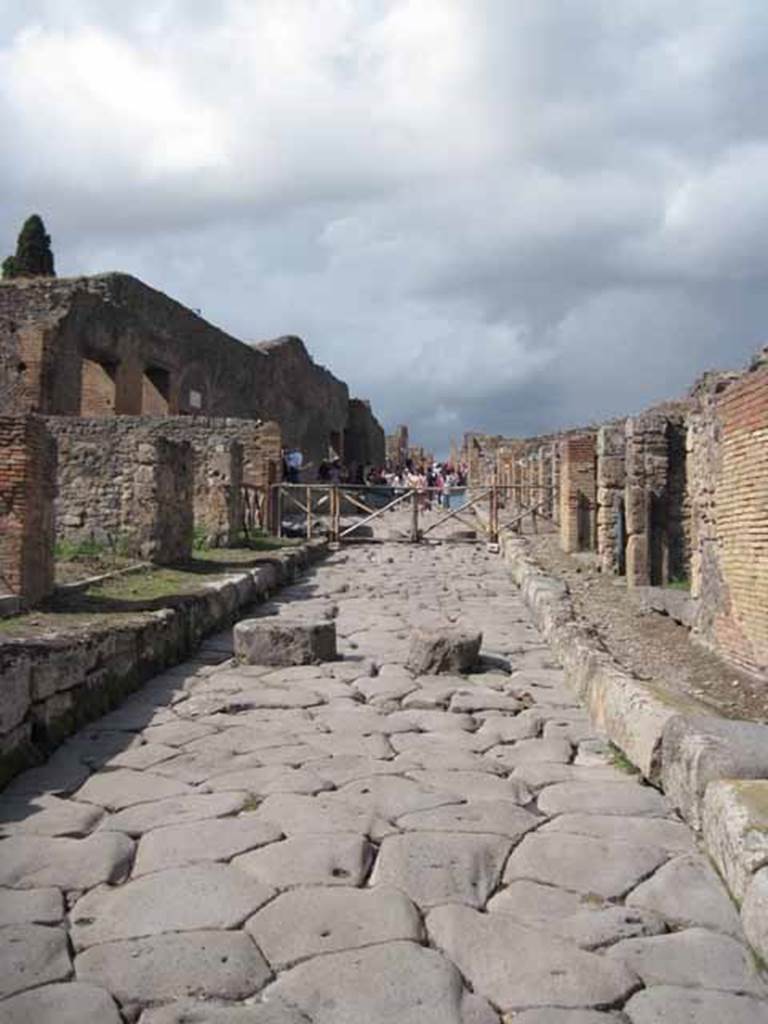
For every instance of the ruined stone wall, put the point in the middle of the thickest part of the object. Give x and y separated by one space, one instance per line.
578 492
728 459
110 345
27 480
364 442
611 480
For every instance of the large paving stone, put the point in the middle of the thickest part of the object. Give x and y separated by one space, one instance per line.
178 733
299 815
350 767
309 921
280 641
207 1013
146 755
697 750
503 729
669 835
394 983
62 1003
180 810
483 699
31 862
450 651
30 906
585 864
391 796
160 968
474 785
687 892
185 899
665 1004
436 867
338 859
533 751
553 1015
628 798
216 840
123 788
492 817
273 778
519 968
539 774
31 955
47 816
695 958
450 760
588 922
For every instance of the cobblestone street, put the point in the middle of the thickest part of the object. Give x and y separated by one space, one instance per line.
347 844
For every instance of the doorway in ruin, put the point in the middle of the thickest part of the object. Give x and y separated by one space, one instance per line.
97 388
155 391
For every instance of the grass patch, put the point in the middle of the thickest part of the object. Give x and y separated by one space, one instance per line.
679 583
619 760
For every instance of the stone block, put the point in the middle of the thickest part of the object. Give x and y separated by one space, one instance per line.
697 750
754 914
443 650
735 824
282 642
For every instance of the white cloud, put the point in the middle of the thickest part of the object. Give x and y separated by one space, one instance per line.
485 214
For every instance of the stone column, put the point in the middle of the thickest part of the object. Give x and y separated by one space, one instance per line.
611 480
645 499
577 493
27 486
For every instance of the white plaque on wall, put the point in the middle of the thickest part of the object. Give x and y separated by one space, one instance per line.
196 399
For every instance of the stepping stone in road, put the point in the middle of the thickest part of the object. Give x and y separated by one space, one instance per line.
280 641
669 835
47 816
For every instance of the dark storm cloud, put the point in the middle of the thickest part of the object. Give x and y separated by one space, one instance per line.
487 215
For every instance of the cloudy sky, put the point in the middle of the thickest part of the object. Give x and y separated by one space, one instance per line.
504 215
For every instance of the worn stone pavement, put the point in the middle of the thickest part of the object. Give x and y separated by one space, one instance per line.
345 844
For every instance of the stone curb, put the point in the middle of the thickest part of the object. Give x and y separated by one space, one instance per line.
714 770
54 684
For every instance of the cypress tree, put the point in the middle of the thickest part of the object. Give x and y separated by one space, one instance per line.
33 256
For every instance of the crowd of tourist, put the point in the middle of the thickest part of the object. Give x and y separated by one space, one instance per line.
436 481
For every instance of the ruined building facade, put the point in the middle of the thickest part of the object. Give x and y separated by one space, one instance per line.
674 499
149 425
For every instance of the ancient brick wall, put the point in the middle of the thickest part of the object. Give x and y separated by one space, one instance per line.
577 492
728 447
110 345
27 481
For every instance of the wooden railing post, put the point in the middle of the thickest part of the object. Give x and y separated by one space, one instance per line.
415 517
